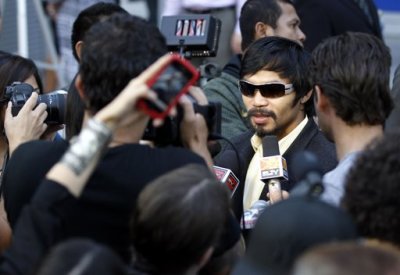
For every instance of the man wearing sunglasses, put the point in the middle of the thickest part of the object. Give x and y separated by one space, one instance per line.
351 75
258 18
276 91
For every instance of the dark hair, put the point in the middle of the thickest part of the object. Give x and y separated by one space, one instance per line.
253 11
74 112
115 51
353 71
283 56
372 190
287 229
178 217
16 68
81 256
349 258
90 16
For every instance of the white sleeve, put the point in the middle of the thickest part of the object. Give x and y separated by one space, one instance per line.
172 7
239 5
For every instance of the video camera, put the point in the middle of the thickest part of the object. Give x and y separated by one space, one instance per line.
18 93
190 36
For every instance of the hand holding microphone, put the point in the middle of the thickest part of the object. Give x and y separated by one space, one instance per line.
273 168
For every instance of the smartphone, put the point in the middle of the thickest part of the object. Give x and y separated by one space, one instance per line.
170 83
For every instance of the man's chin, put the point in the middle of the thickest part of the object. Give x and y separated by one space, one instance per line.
260 132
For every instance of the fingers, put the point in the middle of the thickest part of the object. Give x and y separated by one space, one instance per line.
275 195
198 94
30 103
8 114
187 106
285 194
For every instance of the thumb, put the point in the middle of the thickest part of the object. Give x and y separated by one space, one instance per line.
8 114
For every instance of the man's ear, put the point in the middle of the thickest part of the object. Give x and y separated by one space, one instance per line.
79 87
306 97
321 102
262 30
78 48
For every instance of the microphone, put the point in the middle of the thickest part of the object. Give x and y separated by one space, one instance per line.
273 167
251 215
226 175
309 171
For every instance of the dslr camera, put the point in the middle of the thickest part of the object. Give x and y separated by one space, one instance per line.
18 93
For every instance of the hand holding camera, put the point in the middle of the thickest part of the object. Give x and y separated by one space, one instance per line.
27 125
193 127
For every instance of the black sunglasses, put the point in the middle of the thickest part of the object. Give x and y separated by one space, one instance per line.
271 90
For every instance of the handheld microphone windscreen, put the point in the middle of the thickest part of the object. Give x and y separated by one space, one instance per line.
272 165
270 146
308 170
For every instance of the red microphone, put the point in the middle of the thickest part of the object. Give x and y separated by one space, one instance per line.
227 177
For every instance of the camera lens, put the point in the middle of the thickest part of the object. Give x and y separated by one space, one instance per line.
55 102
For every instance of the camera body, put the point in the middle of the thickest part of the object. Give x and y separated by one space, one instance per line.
169 133
18 93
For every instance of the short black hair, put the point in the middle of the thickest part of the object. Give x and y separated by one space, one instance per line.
83 255
253 11
353 71
283 56
117 50
372 190
90 16
178 217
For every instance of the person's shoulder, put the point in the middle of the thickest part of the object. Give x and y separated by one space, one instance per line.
320 140
318 144
243 137
239 143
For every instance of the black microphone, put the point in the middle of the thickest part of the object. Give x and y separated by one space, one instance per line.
309 172
227 175
273 167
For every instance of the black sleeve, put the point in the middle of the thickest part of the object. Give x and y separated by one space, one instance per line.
36 231
26 168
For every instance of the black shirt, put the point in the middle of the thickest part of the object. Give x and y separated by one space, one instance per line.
103 211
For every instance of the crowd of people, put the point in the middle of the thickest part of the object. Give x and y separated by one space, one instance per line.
106 200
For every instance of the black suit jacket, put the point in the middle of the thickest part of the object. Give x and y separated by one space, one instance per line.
393 121
310 139
321 19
